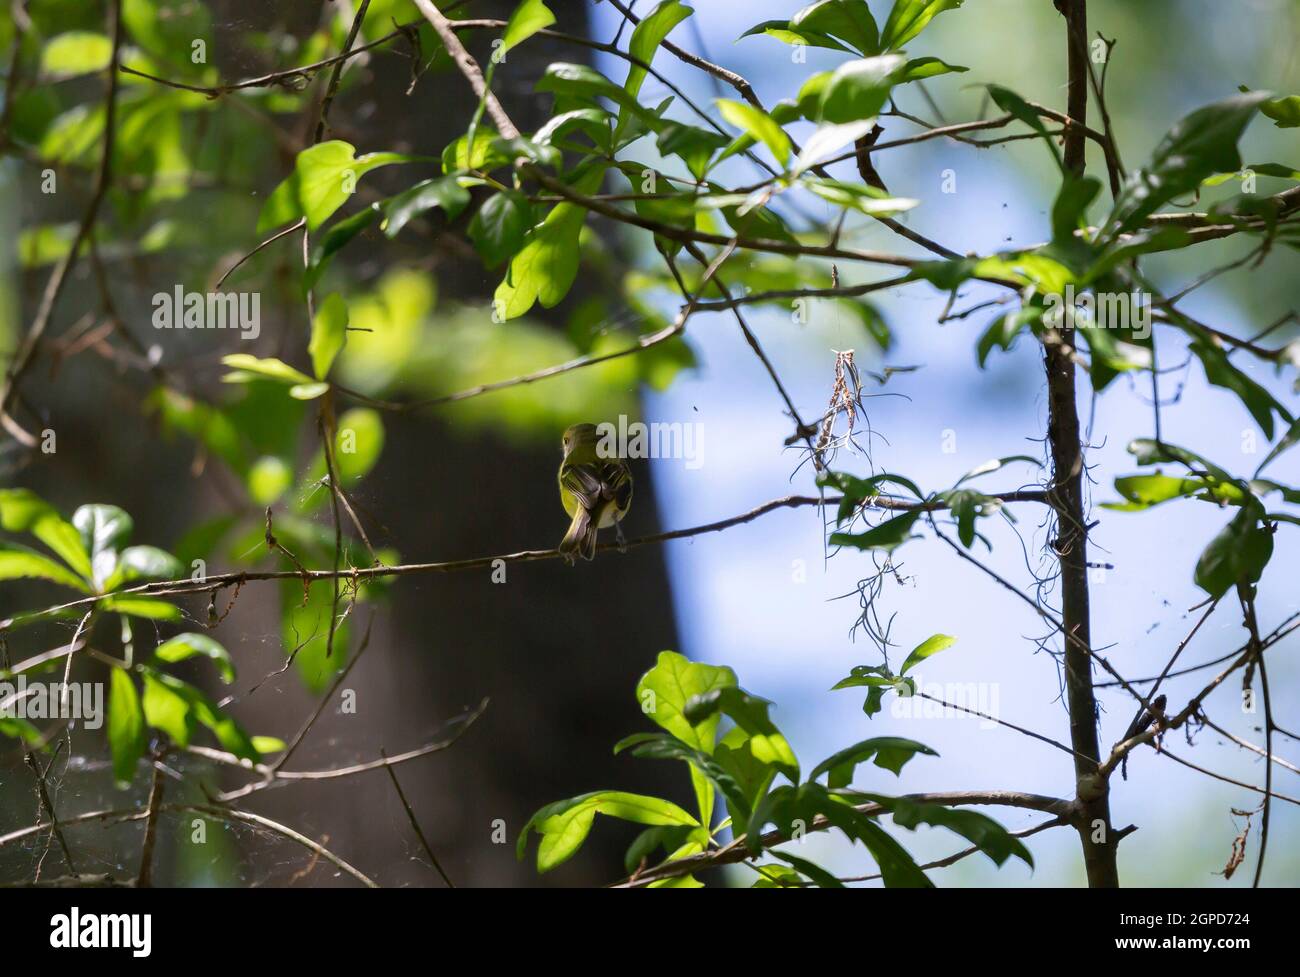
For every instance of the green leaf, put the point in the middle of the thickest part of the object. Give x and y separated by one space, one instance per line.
890 752
76 53
499 228
1011 103
248 367
187 645
126 728
979 829
564 825
324 176
887 536
103 529
664 691
1237 554
1145 491
268 479
647 37
443 192
812 870
1198 146
527 19
1287 440
1285 112
166 709
146 607
909 17
767 743
1220 372
22 511
759 125
848 20
930 646
329 333
858 196
333 241
857 90
18 562
144 563
827 140
919 68
358 444
545 269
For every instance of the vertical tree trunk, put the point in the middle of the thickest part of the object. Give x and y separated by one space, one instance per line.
1067 498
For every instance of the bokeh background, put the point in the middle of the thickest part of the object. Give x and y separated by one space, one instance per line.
558 651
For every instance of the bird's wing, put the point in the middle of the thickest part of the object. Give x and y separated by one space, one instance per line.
596 482
616 483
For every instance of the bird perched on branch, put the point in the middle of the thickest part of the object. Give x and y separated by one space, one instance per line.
596 492
1140 724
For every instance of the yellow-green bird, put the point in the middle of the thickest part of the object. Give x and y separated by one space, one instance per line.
596 492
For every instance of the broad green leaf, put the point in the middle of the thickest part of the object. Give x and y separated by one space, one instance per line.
887 536
18 562
22 511
1285 112
268 478
358 444
324 176
187 645
443 192
889 752
784 32
334 240
1198 146
930 646
104 530
767 743
848 20
1238 554
664 691
979 829
647 37
499 228
146 607
126 728
1220 372
919 68
144 563
564 825
858 196
857 90
166 709
829 140
248 367
329 332
527 19
759 125
909 17
1144 491
76 53
544 270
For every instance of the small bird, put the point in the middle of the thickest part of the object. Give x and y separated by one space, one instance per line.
1140 724
596 492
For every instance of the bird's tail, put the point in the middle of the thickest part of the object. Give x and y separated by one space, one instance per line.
580 540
